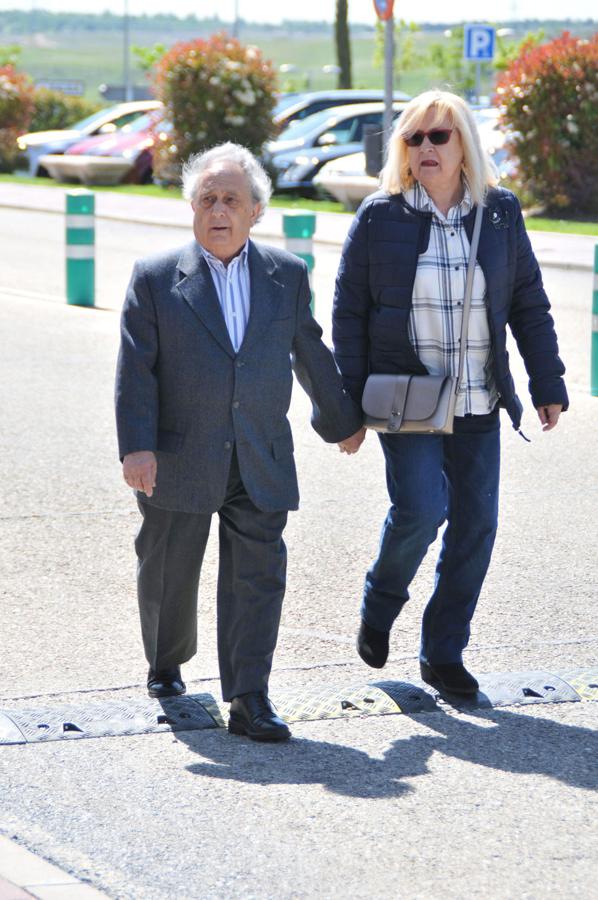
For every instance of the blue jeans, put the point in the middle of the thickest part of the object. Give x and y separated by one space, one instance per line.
430 479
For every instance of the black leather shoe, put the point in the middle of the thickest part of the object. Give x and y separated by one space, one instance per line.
372 645
165 682
451 677
253 714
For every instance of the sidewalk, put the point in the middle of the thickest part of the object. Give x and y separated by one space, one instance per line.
565 251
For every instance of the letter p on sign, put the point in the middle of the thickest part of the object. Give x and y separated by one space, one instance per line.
478 42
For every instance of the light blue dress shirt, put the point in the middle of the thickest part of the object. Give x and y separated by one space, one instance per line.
233 289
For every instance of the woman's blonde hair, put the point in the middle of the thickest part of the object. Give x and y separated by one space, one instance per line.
478 169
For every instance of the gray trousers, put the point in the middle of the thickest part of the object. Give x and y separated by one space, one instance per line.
170 548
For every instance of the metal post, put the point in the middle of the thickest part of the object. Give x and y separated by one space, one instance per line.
126 55
298 228
478 79
389 64
594 386
80 248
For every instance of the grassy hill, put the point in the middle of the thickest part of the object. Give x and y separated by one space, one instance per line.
89 48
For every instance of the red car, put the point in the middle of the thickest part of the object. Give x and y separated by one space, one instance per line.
124 156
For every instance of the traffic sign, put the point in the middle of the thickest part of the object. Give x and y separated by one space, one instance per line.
383 9
478 43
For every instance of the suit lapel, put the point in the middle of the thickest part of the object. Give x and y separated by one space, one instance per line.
197 288
266 291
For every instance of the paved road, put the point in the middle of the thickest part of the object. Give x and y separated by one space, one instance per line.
497 804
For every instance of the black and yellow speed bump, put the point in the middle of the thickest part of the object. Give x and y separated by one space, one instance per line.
195 712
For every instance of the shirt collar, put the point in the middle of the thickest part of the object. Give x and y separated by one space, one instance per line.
419 199
214 262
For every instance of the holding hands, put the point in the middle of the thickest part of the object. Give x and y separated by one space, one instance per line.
352 444
549 415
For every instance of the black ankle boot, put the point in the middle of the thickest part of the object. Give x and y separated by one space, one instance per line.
372 645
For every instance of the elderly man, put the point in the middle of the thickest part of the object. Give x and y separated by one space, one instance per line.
203 386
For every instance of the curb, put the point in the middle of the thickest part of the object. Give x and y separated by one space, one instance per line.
196 712
24 875
268 232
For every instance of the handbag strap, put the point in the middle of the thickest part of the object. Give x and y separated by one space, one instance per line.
473 252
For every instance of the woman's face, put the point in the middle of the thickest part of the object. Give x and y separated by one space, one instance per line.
437 166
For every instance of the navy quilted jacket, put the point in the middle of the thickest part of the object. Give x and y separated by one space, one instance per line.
374 288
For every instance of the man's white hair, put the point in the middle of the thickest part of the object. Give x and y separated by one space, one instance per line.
260 185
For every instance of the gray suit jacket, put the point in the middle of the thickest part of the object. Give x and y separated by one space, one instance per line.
183 392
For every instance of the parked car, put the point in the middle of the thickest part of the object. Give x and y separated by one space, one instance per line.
125 156
307 144
39 143
346 179
495 139
304 105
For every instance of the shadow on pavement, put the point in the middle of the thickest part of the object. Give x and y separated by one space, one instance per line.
502 740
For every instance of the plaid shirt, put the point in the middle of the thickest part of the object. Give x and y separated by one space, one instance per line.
438 292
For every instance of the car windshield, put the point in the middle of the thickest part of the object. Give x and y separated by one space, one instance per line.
143 123
285 100
298 128
94 117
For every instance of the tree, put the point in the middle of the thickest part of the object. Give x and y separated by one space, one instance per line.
549 95
213 91
16 109
343 44
457 74
407 56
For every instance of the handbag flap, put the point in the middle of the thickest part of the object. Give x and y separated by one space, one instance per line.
423 396
379 393
382 392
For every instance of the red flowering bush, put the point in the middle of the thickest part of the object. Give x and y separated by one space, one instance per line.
550 99
16 109
213 90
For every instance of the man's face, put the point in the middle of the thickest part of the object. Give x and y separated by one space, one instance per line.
224 210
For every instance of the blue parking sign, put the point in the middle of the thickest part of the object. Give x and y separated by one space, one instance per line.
478 42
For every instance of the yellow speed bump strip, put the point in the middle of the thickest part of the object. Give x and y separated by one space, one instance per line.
585 683
363 700
141 715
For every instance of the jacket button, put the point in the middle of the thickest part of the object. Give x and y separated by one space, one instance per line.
227 445
236 404
240 364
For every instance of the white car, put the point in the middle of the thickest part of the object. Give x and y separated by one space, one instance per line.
345 179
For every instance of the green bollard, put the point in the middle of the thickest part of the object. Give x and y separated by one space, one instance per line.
594 387
80 248
299 228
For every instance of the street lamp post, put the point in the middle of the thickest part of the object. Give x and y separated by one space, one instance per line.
126 61
236 20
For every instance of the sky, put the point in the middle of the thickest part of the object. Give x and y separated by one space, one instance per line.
318 10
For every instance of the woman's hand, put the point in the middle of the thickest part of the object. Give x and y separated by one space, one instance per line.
353 443
549 415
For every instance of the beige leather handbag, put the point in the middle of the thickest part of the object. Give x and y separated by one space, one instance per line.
421 404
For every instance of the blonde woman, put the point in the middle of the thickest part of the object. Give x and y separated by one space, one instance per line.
397 309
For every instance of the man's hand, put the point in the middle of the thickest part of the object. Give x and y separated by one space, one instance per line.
549 415
139 471
353 443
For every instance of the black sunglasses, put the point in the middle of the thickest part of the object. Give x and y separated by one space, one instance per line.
438 136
